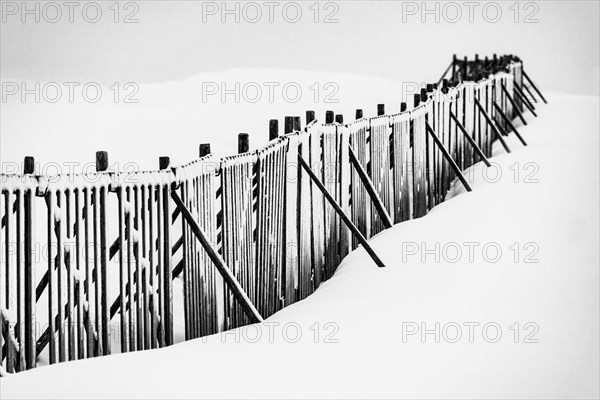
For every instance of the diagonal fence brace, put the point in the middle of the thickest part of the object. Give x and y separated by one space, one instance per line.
514 105
525 100
341 212
534 86
492 125
383 213
470 140
509 123
448 157
228 277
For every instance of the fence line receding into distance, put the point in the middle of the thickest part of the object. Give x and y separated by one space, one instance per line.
247 234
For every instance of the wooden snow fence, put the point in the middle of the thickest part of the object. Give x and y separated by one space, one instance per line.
89 261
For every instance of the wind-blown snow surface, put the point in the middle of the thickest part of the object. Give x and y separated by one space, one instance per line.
554 221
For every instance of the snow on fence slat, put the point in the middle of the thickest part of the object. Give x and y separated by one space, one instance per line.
360 210
402 173
380 166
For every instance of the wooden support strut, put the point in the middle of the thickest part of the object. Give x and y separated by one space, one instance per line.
512 102
383 213
525 100
341 213
457 170
470 140
228 277
509 123
492 125
534 86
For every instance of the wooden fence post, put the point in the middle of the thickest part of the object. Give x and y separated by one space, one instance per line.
453 66
164 162
29 166
204 149
288 126
243 143
101 161
328 117
273 129
296 124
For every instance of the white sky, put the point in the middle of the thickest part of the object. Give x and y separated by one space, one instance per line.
170 41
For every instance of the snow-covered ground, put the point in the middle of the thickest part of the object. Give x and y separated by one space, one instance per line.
360 332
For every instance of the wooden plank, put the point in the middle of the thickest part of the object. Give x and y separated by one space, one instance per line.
69 264
11 281
419 162
292 223
359 207
122 271
88 274
168 285
96 225
152 277
30 299
137 296
146 267
304 284
318 233
51 277
402 175
58 224
380 167
80 289
131 320
344 166
4 242
20 287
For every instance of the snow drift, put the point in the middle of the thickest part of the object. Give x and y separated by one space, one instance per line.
508 272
